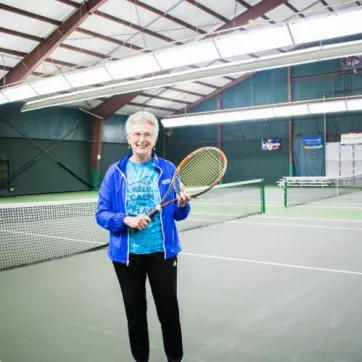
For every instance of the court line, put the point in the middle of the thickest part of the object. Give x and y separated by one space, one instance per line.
241 221
307 219
205 256
335 206
50 237
296 225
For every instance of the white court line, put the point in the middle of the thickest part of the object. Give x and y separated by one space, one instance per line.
334 206
296 225
272 264
49 237
307 219
241 221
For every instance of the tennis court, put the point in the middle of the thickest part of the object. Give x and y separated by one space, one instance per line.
279 286
265 94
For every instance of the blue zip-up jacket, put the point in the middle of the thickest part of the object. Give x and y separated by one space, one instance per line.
111 209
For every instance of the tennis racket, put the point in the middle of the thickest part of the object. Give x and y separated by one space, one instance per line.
196 174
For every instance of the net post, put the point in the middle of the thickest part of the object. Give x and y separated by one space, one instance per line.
262 191
337 186
285 193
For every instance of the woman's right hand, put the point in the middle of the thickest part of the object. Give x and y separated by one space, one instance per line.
137 222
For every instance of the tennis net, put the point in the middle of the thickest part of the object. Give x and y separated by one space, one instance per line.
36 232
304 190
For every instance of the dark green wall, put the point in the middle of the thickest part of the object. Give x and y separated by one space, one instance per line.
241 141
25 136
44 175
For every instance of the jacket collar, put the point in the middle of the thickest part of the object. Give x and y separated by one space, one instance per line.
123 162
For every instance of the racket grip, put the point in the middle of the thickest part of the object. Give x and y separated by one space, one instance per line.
152 213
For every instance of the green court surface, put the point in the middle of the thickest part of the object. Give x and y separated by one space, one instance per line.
276 287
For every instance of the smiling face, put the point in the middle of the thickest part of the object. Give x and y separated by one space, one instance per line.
142 139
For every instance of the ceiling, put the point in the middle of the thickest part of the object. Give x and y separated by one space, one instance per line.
90 33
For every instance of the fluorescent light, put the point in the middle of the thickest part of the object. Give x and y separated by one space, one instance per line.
87 77
293 110
248 114
258 114
231 117
254 41
237 67
133 66
354 104
333 25
327 107
3 99
185 55
17 93
50 85
191 120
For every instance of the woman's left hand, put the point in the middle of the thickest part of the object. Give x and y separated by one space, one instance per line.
183 198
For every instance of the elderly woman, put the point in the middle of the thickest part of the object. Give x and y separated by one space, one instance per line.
132 187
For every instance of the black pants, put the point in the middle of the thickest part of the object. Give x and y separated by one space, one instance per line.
162 275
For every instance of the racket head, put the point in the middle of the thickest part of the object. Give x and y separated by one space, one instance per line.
199 171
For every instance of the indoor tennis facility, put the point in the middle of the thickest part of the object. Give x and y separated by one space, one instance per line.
258 114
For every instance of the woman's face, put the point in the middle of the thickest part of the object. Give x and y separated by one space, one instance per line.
142 139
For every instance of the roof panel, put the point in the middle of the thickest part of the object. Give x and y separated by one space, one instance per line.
179 95
127 11
193 87
280 13
148 42
300 5
74 57
253 2
315 9
162 5
8 60
2 73
227 8
89 104
84 41
49 68
51 9
162 103
195 16
123 52
16 43
106 27
219 82
24 24
171 29
339 4
129 109
140 99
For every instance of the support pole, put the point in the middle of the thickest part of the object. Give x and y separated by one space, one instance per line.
290 123
96 150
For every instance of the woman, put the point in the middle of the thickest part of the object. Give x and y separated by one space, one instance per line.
130 188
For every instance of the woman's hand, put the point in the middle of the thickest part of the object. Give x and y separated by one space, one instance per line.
137 222
183 198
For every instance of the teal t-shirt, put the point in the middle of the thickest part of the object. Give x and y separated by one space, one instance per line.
142 196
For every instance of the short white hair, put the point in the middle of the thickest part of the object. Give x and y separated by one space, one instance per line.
142 117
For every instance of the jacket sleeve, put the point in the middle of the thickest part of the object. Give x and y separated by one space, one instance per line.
105 216
181 213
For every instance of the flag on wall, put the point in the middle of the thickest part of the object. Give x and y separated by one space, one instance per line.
270 144
312 142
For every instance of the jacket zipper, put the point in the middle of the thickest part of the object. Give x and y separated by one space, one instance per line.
125 207
163 234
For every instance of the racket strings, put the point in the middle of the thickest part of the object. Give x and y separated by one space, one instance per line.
201 171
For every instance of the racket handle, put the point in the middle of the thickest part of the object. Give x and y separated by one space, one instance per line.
154 212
